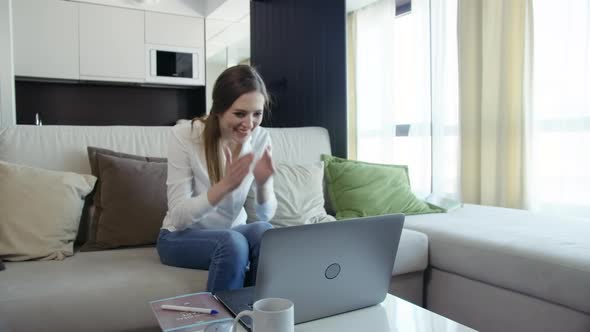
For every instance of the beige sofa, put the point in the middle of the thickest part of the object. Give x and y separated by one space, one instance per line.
490 268
497 269
110 290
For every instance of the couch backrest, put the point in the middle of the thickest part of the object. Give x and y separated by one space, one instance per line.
64 147
302 145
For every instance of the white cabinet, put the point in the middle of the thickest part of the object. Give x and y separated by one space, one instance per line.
174 30
111 43
45 38
82 41
176 34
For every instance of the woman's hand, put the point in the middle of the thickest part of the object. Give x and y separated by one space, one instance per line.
264 168
235 172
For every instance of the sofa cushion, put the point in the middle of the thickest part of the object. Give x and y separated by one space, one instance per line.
299 145
541 256
129 202
92 291
412 253
40 211
361 189
300 196
63 148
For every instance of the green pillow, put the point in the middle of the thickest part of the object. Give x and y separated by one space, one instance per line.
361 189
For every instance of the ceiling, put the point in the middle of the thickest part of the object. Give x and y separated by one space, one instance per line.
227 28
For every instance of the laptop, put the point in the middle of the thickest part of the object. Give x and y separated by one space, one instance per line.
325 269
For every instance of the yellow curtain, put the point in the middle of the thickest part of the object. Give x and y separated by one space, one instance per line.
493 77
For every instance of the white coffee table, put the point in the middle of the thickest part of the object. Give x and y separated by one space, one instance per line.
393 314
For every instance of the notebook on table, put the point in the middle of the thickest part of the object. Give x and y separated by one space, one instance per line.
325 269
186 321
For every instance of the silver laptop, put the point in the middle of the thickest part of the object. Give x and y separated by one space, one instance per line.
325 269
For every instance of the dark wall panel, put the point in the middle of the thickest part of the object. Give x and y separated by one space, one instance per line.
299 48
94 104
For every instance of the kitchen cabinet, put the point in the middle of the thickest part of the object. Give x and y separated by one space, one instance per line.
45 37
174 30
111 43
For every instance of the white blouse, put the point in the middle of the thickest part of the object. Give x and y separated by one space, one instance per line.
188 183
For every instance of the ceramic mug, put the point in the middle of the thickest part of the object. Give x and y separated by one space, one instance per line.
270 315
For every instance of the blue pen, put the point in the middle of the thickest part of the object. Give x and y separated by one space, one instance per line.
189 309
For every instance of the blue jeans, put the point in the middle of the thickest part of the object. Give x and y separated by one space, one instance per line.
230 255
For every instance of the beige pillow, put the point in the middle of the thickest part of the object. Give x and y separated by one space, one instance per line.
40 211
299 193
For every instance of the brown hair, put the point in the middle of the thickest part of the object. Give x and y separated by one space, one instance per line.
229 86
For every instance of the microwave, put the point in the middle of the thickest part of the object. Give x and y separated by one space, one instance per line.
174 65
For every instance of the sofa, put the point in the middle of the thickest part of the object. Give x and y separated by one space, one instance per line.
498 269
493 269
110 290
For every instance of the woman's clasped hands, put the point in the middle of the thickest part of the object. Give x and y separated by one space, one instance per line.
237 170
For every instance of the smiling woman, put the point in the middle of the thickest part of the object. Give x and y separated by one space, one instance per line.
205 226
236 90
236 124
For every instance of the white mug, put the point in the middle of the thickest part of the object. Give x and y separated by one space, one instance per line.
270 315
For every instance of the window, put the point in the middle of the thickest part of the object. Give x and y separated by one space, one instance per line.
406 91
559 178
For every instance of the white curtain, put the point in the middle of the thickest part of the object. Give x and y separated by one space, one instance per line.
351 46
559 118
399 118
445 98
374 80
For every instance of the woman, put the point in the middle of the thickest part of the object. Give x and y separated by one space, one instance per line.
212 164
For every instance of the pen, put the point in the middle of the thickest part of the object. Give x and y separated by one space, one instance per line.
189 309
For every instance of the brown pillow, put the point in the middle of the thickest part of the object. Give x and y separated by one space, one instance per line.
130 201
